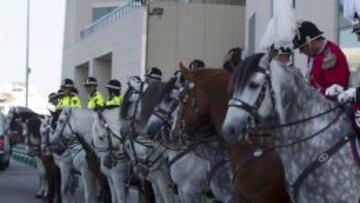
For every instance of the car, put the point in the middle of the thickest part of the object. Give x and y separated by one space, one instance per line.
5 147
5 152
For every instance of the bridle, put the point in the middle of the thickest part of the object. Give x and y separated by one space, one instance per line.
253 109
165 115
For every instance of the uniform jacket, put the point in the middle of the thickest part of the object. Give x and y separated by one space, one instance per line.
72 101
95 100
328 67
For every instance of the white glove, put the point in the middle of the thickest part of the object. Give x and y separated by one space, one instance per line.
347 95
334 90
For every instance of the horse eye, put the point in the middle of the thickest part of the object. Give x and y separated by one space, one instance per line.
253 85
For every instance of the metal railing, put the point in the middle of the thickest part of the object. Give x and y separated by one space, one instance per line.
111 17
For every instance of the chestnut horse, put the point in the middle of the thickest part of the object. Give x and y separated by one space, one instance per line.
205 98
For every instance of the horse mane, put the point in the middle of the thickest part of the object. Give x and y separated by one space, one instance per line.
242 74
33 125
55 117
125 105
152 96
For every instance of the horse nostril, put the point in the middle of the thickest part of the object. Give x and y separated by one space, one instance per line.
232 131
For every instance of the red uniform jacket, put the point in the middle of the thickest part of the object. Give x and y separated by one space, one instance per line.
329 67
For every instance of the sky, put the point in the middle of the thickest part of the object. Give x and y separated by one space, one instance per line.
46 42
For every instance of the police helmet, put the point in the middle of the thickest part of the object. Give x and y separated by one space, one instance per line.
67 83
154 73
90 81
114 84
306 32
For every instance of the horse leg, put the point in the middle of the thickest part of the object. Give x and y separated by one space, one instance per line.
221 185
112 188
65 179
90 185
42 175
191 193
162 181
119 177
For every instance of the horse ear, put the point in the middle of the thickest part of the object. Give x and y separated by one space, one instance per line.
185 72
52 113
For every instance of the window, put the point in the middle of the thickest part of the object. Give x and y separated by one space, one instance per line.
251 33
349 45
99 12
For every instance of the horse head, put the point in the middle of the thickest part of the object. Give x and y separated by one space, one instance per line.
165 110
64 126
252 99
46 131
138 104
202 102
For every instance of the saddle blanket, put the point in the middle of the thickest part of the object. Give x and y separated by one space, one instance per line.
355 148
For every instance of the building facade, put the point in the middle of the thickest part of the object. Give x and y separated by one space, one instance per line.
117 39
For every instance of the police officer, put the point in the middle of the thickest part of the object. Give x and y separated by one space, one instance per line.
351 94
153 74
232 59
68 97
95 99
327 64
196 64
283 55
114 92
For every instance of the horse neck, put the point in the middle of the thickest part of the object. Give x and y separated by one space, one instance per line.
296 100
82 120
113 120
217 98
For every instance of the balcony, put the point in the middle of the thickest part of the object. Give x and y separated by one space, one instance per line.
123 10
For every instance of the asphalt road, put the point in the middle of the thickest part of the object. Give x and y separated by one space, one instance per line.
18 184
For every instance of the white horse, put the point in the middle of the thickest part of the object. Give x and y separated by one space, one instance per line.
274 94
190 172
148 155
109 146
73 121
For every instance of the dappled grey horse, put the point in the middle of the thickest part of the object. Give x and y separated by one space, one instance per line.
310 133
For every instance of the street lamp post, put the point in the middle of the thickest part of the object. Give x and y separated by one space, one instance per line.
27 69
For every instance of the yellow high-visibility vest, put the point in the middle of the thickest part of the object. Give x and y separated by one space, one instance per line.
95 100
115 101
72 101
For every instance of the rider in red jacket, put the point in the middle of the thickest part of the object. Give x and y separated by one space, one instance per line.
327 64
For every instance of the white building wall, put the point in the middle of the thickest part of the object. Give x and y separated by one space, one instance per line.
188 31
121 39
324 13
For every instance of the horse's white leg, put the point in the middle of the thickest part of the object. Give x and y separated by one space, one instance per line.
119 177
112 189
191 193
46 187
89 181
65 177
162 181
42 176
